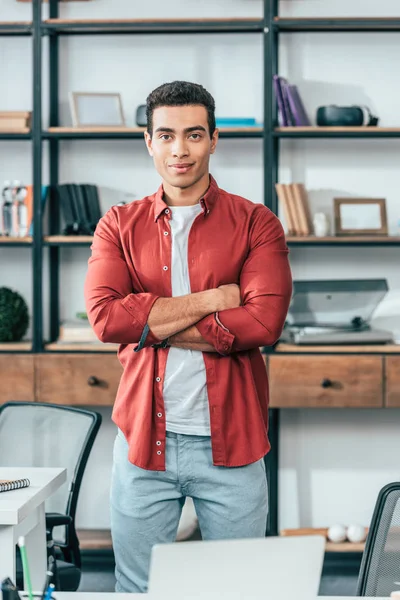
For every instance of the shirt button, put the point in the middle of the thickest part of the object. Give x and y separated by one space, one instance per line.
226 347
158 452
167 211
165 232
159 415
165 268
158 443
158 379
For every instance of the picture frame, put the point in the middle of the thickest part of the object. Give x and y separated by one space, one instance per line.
360 216
96 109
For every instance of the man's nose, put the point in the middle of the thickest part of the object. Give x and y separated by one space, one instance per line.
180 148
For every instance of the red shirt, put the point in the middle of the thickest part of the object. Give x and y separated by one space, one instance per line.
233 240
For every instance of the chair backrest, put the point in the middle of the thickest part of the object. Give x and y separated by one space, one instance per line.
48 435
380 565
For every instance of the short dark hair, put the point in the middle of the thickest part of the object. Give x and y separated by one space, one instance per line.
180 93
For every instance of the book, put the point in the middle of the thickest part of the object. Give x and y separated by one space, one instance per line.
282 118
76 331
295 207
7 485
236 122
299 114
281 191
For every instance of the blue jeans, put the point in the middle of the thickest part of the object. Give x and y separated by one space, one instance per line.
146 505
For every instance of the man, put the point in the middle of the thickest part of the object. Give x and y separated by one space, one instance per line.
191 281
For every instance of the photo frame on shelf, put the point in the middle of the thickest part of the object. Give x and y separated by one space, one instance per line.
360 216
93 109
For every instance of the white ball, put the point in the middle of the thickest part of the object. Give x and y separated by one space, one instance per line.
337 533
356 533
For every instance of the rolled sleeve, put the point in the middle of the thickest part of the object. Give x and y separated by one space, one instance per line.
115 312
216 334
266 290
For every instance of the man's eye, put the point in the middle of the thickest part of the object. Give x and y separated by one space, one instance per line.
165 136
195 136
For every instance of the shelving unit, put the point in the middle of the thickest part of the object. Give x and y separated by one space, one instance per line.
270 27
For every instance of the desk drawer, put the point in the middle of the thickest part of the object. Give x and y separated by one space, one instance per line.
326 381
17 378
392 397
74 379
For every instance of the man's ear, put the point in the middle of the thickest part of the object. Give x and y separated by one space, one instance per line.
214 141
148 141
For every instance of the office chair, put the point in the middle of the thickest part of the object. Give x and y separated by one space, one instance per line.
380 566
48 435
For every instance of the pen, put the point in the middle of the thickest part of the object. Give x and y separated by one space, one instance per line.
49 575
25 567
49 591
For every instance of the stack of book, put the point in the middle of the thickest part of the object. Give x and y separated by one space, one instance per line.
291 111
77 331
294 202
15 120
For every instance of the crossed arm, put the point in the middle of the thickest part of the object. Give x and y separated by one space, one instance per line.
215 320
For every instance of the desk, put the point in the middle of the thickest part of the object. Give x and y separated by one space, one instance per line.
102 596
22 513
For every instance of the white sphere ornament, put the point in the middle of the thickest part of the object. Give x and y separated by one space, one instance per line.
337 533
356 533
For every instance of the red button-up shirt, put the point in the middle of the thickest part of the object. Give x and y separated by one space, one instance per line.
233 240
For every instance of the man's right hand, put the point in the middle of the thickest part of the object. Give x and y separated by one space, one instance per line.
228 296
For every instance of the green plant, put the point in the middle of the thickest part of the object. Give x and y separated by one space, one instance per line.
14 316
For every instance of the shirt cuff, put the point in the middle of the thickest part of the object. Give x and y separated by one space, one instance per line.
216 334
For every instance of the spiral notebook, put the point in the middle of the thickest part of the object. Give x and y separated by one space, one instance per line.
6 485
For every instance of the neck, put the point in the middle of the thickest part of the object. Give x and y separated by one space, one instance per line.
175 196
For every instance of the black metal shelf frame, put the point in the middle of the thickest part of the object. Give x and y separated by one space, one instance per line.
153 27
332 25
15 29
136 135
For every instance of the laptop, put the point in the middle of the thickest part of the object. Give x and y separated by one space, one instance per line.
276 568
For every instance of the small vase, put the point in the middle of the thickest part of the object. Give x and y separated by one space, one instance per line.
321 224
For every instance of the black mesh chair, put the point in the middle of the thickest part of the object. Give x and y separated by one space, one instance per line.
53 436
380 565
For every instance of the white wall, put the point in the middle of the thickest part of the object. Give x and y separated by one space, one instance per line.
332 462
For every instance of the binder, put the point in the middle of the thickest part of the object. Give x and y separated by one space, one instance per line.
7 485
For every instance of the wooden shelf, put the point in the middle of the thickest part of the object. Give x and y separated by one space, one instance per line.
15 346
137 132
15 28
68 240
337 24
340 132
81 347
333 240
23 133
94 539
95 26
329 546
344 547
6 240
338 349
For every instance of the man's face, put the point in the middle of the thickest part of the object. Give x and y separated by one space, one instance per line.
181 144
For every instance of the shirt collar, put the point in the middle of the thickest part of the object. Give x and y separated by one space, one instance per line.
207 201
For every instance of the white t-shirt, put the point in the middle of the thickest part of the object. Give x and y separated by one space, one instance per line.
185 385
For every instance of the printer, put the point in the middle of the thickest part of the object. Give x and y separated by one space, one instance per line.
335 312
